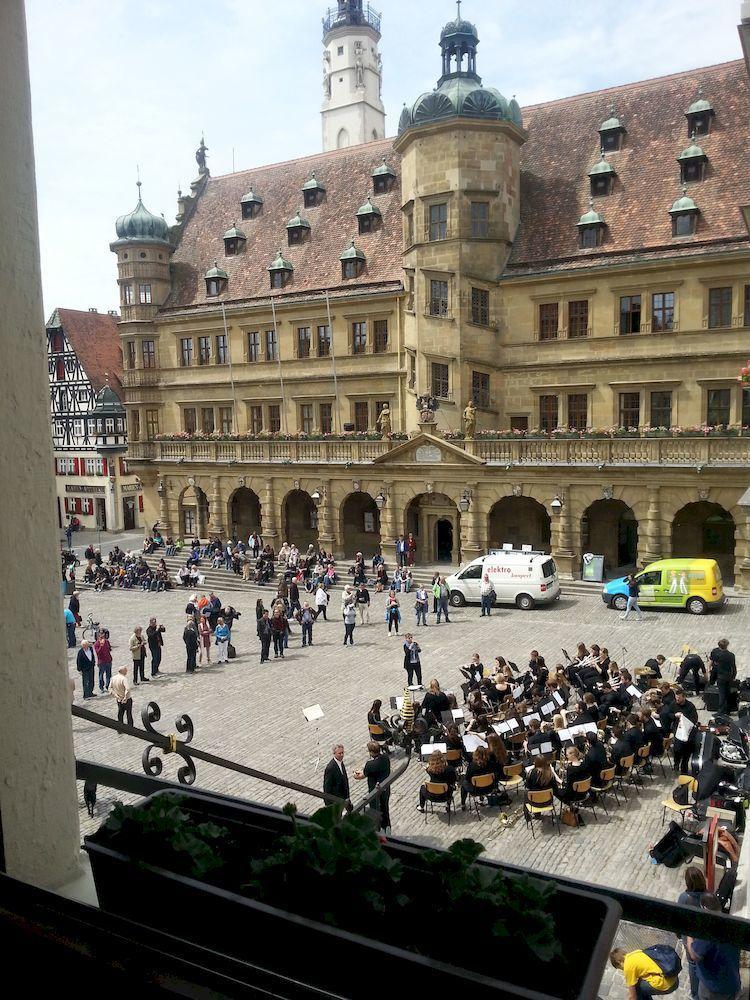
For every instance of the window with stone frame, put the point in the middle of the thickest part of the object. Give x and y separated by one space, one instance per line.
718 403
361 415
410 228
148 353
256 419
480 306
380 336
272 346
578 318
719 307
253 345
480 390
630 315
629 414
130 354
152 424
480 220
578 411
135 425
746 408
359 337
274 418
438 297
144 294
548 320
662 312
549 408
226 419
324 341
127 295
222 350
519 423
204 350
661 408
304 339
412 380
189 422
306 418
410 293
438 215
325 418
207 420
439 381
186 352
746 316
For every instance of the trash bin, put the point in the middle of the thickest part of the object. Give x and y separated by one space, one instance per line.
592 568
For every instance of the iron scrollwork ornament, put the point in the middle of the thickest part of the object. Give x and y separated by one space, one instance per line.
167 743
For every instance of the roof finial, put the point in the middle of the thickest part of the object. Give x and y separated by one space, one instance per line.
138 181
591 204
602 152
458 5
106 378
684 189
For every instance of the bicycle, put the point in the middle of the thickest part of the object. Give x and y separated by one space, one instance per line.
92 628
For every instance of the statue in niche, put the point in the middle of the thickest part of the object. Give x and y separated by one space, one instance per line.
360 69
384 421
470 419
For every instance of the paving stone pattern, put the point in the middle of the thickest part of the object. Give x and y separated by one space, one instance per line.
252 713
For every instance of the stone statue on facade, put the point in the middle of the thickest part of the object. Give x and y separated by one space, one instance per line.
384 421
470 419
360 74
426 404
326 74
380 75
200 157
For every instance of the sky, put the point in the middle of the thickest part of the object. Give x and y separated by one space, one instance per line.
121 85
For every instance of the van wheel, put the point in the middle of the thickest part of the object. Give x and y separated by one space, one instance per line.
524 602
620 602
696 606
457 599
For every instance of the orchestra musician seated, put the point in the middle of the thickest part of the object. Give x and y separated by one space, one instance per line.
440 772
596 758
454 741
374 719
620 748
633 734
536 737
498 754
652 733
540 777
434 703
480 764
574 769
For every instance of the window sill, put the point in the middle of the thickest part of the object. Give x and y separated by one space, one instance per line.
447 318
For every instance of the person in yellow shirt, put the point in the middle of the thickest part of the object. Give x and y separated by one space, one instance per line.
643 977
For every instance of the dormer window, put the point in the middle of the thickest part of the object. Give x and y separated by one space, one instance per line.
699 115
280 271
591 228
684 213
297 230
611 132
692 163
251 205
234 241
216 280
601 176
352 262
383 178
313 191
369 217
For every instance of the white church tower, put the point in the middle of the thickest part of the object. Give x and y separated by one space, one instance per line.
352 76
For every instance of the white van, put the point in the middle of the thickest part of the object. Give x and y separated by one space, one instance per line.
523 578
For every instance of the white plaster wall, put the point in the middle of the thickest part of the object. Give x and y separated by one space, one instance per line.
357 109
38 799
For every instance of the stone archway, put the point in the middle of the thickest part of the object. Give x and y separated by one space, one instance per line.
360 526
434 521
244 513
609 528
705 530
194 513
299 517
519 521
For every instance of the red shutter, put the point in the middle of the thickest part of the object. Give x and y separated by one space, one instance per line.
67 509
76 467
122 466
140 503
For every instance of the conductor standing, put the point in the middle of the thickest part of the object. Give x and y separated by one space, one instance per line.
335 778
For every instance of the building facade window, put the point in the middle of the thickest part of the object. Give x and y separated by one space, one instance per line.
189 421
277 279
325 418
204 350
438 222
410 229
746 311
630 314
274 418
188 522
480 389
186 352
222 350
304 337
324 341
226 419
578 411
272 346
746 407
207 420
129 355
359 338
439 380
135 425
256 419
578 318
548 320
361 415
144 294
519 423
480 306
350 268
148 353
410 305
94 466
253 346
380 336
719 308
662 311
718 402
480 220
629 414
127 295
548 412
152 424
661 409
438 298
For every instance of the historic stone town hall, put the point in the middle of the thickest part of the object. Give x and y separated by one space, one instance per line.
506 324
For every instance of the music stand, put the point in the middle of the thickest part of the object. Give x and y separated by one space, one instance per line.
314 714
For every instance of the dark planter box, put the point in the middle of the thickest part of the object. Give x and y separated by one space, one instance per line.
333 959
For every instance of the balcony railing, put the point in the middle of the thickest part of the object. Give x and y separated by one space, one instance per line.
135 377
333 18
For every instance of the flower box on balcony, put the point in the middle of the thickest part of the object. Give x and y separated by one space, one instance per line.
340 952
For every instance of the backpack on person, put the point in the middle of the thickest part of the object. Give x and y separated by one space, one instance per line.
666 958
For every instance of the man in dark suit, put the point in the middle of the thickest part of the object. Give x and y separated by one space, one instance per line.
190 638
335 778
85 662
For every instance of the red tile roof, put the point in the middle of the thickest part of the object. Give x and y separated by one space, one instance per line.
345 174
96 341
564 144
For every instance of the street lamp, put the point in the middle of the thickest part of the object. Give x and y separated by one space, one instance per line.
557 505
315 497
465 502
380 500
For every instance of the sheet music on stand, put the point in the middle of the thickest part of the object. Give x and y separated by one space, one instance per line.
548 708
517 692
633 690
558 698
397 703
533 715
313 714
472 741
542 748
430 748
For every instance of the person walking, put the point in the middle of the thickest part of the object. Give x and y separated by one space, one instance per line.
85 667
294 602
435 591
421 605
265 634
486 595
411 549
138 653
362 602
306 617
442 601
723 672
350 620
154 634
412 662
191 639
279 631
103 651
69 532
120 689
392 612
75 606
70 628
321 602
204 639
632 605
221 635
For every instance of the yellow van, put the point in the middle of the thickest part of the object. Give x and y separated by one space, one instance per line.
694 584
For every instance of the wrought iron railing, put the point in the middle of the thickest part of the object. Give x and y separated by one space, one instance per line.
367 16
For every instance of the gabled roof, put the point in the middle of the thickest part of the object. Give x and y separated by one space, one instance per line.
564 141
427 448
95 339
